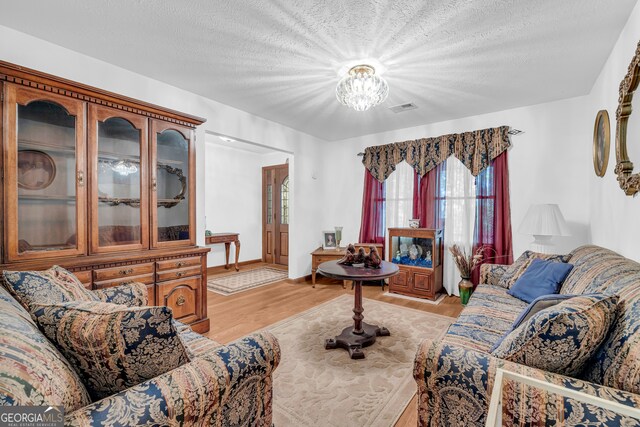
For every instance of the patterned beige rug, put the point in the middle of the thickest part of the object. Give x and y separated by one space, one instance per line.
318 387
245 280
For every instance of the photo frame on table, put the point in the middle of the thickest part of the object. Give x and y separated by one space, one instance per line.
601 142
329 240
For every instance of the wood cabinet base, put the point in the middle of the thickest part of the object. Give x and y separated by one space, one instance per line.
176 278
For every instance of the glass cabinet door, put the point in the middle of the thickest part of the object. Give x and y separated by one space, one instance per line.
119 190
45 175
172 169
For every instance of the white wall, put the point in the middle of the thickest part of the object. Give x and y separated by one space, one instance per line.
238 207
614 216
31 52
549 163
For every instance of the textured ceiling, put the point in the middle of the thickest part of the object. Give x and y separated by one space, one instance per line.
280 59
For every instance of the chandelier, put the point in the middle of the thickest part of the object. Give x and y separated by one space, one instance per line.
362 89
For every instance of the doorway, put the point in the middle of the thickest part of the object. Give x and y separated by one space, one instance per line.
276 199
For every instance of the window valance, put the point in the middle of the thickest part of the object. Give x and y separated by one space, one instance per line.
474 149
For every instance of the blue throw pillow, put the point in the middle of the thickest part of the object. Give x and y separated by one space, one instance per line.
538 304
541 278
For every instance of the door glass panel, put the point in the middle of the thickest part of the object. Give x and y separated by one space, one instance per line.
46 177
269 203
119 144
172 186
284 201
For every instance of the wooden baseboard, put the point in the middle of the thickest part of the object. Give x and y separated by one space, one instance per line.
300 279
220 268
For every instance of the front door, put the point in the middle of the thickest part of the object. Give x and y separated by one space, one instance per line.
276 199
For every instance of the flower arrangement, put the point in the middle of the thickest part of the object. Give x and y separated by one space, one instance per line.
466 263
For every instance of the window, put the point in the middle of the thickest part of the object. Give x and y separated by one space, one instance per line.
284 201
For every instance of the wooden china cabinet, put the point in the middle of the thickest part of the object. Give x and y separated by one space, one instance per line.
103 185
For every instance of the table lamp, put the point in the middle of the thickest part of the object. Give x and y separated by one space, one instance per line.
544 222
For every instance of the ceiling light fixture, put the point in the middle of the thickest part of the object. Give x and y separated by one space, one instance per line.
362 88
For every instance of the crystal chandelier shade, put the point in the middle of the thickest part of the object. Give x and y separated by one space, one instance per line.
362 89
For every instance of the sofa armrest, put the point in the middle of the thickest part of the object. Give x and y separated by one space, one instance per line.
132 294
228 386
455 385
490 274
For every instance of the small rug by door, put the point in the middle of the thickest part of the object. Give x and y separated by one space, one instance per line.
245 280
318 387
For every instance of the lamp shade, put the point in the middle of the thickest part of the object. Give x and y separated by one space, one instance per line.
544 220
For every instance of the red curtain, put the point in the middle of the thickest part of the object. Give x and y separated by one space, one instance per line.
493 215
372 227
429 197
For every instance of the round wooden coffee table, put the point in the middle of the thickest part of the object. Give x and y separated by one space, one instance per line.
355 338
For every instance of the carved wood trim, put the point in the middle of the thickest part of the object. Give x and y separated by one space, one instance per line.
36 79
629 182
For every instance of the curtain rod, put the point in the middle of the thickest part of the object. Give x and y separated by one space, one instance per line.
512 132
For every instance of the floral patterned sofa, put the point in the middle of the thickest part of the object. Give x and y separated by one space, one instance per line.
220 386
455 375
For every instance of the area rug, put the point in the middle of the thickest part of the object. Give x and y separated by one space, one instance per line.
245 280
318 387
423 300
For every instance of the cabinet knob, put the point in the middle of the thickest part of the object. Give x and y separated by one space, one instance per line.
80 178
180 273
180 301
126 271
127 282
154 184
180 264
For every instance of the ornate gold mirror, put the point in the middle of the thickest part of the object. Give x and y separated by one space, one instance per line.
628 130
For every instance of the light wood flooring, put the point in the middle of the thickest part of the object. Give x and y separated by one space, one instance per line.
237 315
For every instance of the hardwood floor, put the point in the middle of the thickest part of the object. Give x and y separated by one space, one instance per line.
235 316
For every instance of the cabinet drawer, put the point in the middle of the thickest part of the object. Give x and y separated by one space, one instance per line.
182 296
125 271
147 279
172 264
84 277
324 258
178 273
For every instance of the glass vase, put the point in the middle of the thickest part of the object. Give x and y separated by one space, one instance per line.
466 289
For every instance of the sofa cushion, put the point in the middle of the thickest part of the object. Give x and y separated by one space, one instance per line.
50 286
486 318
597 269
112 347
515 270
561 338
538 304
32 370
542 277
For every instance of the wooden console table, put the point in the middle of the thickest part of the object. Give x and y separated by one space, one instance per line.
321 255
227 239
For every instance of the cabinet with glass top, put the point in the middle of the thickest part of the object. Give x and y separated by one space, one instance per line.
118 164
418 254
45 183
172 185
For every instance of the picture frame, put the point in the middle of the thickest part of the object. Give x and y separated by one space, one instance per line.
601 142
329 240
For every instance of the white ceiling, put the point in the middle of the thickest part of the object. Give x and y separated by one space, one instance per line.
279 59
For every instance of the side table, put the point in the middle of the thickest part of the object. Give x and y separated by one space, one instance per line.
227 239
361 334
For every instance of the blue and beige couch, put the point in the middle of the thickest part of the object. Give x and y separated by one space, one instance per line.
455 375
219 385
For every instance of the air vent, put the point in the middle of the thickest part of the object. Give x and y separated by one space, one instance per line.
403 107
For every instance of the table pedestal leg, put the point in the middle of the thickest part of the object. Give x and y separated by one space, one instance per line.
355 338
